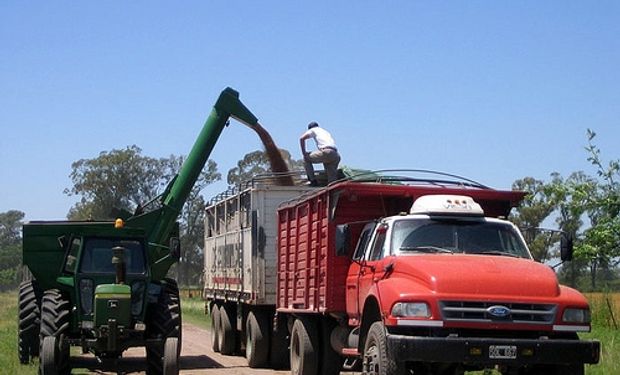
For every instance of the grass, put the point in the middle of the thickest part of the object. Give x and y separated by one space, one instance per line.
605 309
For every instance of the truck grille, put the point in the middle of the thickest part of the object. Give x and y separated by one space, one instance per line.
474 311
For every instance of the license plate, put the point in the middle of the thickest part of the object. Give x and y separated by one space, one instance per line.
502 352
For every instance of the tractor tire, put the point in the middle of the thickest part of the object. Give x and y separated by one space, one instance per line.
227 335
376 359
171 356
215 327
257 339
29 321
49 356
304 351
163 320
55 321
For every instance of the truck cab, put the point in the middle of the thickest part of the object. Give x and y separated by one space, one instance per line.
448 286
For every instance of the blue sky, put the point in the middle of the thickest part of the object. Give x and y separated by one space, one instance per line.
494 91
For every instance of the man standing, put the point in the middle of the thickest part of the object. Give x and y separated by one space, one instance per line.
326 153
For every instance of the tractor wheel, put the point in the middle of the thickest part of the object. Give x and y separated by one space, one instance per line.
304 348
29 320
55 315
171 356
227 335
257 339
215 327
49 356
163 321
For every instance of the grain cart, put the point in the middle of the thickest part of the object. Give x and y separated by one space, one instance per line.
102 286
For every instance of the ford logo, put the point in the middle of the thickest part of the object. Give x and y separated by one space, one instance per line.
498 311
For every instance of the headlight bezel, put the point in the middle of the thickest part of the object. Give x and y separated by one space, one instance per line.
576 315
411 310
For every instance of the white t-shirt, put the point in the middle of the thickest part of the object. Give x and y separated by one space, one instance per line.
321 137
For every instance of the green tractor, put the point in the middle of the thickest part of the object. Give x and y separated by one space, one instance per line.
102 286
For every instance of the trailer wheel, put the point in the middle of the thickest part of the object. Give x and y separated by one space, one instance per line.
29 321
215 328
171 356
226 335
257 339
304 345
163 320
376 359
55 314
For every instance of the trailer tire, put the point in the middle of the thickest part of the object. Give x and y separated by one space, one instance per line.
226 335
376 359
163 320
331 362
171 356
304 344
257 339
29 320
215 328
55 315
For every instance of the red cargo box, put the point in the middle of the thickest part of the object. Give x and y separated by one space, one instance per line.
311 277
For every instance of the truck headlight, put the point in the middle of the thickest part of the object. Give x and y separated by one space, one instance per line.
576 316
411 310
86 296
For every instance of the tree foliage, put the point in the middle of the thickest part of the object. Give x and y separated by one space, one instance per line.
10 248
256 163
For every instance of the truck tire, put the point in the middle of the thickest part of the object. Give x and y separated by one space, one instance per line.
163 320
331 362
55 315
29 320
226 335
171 356
257 339
215 327
376 359
304 344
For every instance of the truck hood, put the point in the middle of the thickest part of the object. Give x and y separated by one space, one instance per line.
478 274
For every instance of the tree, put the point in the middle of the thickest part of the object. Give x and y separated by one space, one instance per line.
118 179
256 163
10 248
530 215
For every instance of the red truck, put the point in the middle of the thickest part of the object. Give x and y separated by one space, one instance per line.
405 276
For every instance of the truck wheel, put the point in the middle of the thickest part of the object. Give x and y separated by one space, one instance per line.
257 339
171 356
226 335
331 361
29 321
376 359
163 320
55 314
215 328
304 345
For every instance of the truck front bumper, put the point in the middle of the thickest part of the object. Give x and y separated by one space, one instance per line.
491 351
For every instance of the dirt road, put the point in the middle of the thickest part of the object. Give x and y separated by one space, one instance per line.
196 358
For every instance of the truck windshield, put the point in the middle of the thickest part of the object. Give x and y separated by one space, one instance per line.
457 236
97 257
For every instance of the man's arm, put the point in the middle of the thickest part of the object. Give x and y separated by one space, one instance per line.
302 143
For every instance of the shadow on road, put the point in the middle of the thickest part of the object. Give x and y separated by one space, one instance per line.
128 365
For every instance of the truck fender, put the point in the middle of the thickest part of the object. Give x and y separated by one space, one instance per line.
370 314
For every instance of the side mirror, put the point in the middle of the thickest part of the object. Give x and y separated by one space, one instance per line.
566 247
175 248
343 239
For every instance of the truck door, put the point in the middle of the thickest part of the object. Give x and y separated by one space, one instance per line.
354 271
371 268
